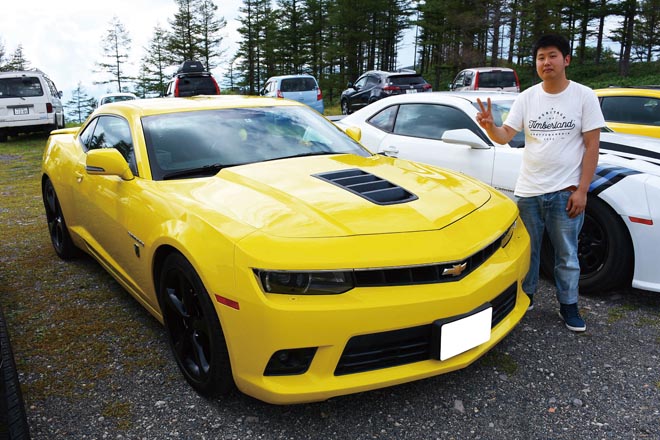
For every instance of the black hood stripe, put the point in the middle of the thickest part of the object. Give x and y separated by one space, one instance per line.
608 175
609 146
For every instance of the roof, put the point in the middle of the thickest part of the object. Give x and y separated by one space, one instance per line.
146 107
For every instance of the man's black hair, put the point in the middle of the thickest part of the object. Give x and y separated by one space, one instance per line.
552 40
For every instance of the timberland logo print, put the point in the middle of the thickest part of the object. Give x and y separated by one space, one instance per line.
551 125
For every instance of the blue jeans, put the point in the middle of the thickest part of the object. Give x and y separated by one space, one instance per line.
548 211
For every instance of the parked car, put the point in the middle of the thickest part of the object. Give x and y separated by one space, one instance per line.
486 79
302 88
115 97
192 79
278 252
634 110
29 102
376 84
621 234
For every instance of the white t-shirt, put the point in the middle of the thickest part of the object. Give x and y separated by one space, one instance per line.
554 146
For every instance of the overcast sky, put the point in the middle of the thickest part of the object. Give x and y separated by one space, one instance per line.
63 38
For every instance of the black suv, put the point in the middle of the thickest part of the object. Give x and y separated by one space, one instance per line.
191 79
376 84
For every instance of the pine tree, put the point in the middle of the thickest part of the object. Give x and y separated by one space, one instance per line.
17 61
116 45
80 106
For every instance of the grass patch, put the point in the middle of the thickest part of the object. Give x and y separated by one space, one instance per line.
500 361
618 313
72 326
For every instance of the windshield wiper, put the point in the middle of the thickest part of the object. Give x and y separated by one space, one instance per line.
206 170
313 153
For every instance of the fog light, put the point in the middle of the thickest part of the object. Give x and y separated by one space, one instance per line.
290 362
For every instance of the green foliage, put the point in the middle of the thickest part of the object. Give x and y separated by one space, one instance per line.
80 106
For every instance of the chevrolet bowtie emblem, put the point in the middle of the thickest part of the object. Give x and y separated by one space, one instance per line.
455 270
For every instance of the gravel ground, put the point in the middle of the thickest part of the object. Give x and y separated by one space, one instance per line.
542 382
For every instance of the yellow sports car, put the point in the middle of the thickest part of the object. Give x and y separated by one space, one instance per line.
631 110
280 255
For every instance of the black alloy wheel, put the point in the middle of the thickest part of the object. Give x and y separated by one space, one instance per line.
193 328
59 234
604 250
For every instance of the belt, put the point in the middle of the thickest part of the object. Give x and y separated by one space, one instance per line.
571 188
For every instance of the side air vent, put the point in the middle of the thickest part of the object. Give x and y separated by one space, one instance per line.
368 186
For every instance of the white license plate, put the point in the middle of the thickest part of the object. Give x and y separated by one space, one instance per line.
411 91
21 111
465 333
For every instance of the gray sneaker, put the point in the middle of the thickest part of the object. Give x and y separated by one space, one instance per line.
571 316
531 302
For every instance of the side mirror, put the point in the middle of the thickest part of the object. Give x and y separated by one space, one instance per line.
466 137
107 162
349 85
354 133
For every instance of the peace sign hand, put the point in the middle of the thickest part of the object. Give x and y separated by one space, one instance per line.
485 116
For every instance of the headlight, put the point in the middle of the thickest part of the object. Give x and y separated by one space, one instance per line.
506 238
305 283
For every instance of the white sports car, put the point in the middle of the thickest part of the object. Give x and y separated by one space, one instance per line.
620 239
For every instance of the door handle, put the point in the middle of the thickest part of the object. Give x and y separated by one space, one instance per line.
390 151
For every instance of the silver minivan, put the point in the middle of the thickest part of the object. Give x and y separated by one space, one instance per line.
500 79
302 88
29 101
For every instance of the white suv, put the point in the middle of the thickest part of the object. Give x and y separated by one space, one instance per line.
29 101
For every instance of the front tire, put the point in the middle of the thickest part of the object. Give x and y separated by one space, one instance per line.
193 328
57 229
604 249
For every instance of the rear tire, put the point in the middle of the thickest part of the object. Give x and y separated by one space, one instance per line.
193 328
604 249
59 233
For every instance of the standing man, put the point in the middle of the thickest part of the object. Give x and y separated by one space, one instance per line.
562 121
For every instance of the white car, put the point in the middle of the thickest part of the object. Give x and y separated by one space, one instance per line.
29 102
115 97
620 239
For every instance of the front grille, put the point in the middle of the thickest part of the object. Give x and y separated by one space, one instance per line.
399 347
425 274
368 186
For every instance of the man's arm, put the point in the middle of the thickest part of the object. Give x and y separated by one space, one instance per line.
501 135
578 200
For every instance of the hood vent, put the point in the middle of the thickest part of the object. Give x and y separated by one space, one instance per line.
368 186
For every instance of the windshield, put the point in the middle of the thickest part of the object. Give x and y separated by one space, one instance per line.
198 143
500 110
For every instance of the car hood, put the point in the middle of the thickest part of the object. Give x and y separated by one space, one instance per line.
641 152
287 198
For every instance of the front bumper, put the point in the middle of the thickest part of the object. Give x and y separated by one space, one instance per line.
371 319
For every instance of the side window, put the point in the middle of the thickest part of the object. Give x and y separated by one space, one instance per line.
458 82
429 120
468 78
631 109
111 132
86 135
360 83
385 119
372 81
51 86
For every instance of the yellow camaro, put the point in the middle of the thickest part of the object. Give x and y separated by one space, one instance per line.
281 255
631 110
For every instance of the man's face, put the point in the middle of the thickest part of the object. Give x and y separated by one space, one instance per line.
551 64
